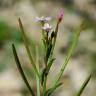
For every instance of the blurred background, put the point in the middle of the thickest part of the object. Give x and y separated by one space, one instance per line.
82 63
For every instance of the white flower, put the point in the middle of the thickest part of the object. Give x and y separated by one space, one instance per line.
43 19
47 27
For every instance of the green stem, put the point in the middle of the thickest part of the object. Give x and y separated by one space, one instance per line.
21 70
37 79
44 85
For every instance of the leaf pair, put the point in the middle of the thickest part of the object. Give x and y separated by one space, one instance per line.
35 71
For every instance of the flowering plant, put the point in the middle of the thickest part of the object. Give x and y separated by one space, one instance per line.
49 37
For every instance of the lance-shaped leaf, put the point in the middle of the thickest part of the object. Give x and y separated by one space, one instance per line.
52 35
51 90
49 65
21 70
48 52
27 48
46 71
43 76
70 52
84 85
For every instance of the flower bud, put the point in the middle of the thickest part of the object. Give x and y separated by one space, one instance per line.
60 16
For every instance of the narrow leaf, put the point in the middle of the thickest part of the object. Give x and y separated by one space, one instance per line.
52 35
70 52
21 70
50 64
48 51
84 85
51 90
26 46
43 76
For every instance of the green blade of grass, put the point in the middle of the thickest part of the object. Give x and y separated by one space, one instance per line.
21 70
83 86
27 48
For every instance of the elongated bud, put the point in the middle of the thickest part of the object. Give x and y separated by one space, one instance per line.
60 16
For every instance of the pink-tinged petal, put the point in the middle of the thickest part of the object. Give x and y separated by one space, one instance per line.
47 27
48 18
43 19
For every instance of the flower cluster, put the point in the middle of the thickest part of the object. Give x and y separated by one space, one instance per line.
44 21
